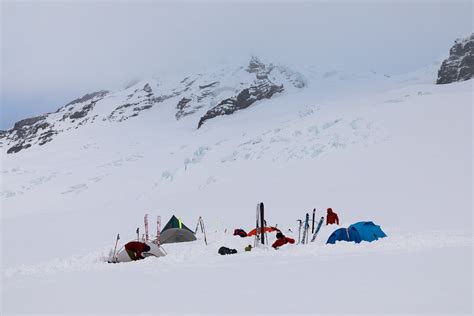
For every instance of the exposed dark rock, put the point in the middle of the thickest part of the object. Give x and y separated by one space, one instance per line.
182 106
189 84
209 85
258 81
264 89
126 105
83 112
28 122
17 148
36 130
89 96
147 88
260 69
119 111
146 102
28 126
141 108
182 103
164 97
255 65
26 130
459 66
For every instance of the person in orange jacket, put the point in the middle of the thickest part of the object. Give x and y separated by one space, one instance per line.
332 217
282 240
135 249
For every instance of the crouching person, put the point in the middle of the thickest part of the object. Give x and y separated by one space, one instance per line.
282 240
135 249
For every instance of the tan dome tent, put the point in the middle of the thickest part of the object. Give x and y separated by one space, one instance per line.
176 231
123 256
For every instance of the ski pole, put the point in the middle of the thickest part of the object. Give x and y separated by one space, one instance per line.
203 230
138 233
197 225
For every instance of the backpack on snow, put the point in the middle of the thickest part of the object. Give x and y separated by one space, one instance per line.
226 251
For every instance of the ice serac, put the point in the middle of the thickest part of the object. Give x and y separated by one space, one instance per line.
263 87
459 66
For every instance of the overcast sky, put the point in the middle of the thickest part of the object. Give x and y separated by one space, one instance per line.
55 51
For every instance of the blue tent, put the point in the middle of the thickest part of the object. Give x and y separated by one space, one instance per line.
357 232
344 234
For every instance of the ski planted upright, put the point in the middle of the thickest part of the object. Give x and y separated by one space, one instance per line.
312 222
257 236
318 228
158 229
262 221
146 227
306 228
299 230
113 259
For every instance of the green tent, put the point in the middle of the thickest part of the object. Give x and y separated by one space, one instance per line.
176 231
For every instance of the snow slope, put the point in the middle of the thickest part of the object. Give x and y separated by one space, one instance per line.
397 151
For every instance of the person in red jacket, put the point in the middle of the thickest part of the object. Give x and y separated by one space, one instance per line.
282 240
332 217
135 249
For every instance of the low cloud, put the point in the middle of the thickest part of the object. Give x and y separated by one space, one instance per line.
56 51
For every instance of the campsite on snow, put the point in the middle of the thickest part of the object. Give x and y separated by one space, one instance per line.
252 187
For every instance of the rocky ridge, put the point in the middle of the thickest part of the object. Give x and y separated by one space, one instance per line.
459 66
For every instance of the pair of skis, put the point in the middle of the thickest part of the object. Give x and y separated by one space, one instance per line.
158 229
305 239
260 225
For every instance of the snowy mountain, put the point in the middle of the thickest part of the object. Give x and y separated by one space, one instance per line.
395 150
204 96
